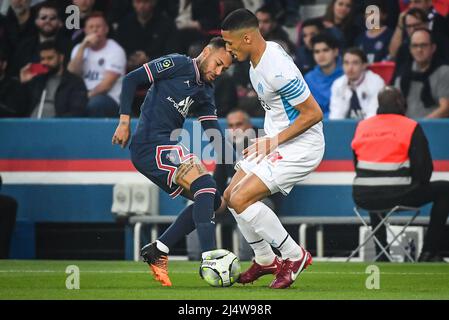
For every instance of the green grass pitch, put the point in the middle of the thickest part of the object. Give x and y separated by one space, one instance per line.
131 280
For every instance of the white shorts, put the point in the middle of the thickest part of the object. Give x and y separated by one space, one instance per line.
285 167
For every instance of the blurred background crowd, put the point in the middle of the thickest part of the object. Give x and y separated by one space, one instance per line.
346 52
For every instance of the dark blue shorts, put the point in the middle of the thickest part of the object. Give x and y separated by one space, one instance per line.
159 162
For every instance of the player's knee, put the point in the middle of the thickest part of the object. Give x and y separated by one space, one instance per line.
238 201
227 195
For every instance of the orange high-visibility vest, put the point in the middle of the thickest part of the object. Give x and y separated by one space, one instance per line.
381 145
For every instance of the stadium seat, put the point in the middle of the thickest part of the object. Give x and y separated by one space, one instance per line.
385 69
384 222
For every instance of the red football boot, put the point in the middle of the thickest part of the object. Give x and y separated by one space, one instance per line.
256 271
290 270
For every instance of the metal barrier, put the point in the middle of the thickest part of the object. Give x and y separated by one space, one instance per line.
302 222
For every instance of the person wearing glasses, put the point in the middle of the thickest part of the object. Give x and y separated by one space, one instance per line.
49 28
424 80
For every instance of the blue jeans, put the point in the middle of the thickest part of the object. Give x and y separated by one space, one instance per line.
102 106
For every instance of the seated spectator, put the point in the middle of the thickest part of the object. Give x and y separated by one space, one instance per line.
409 167
436 21
425 80
56 92
354 95
102 63
375 41
13 101
271 30
304 54
49 25
197 20
414 19
288 11
8 213
86 9
327 70
20 21
339 20
151 33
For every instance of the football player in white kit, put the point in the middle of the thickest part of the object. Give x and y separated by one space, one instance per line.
292 149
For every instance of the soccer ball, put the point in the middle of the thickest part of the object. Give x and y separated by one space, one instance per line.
220 268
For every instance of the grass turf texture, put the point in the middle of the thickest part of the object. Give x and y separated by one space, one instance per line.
131 280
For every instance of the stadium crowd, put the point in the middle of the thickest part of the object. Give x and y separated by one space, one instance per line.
50 70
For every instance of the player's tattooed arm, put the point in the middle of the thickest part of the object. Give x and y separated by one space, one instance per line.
123 131
188 172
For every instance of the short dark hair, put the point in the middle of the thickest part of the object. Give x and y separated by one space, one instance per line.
48 5
50 45
356 51
391 101
240 19
217 43
325 38
266 9
314 22
417 13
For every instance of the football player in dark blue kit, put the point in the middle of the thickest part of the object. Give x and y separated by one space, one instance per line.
179 84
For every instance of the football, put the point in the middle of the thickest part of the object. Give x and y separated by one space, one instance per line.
219 268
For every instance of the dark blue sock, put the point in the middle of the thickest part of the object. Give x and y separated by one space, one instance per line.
182 226
204 190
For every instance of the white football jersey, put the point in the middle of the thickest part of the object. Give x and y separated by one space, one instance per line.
280 86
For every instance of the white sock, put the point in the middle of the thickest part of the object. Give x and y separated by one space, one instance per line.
263 253
267 225
162 247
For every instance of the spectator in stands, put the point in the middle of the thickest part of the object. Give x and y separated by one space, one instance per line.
102 63
375 41
287 11
425 80
304 53
151 33
415 19
436 21
13 101
19 21
327 70
339 20
57 92
86 9
271 30
354 95
49 25
396 171
8 213
197 20
410 20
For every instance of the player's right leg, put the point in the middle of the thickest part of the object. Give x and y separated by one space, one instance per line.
265 261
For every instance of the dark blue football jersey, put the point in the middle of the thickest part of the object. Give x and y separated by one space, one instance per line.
175 91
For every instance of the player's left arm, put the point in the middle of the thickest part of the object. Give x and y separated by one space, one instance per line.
224 149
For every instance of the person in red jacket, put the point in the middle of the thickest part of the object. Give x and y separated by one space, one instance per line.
393 167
